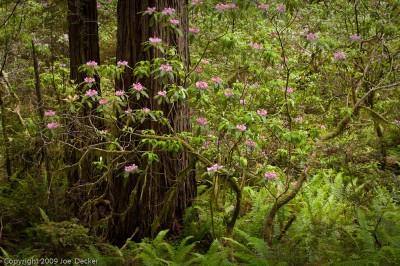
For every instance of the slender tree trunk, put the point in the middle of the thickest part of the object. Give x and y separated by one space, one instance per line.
158 198
4 122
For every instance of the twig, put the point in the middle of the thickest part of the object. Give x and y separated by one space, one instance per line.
129 239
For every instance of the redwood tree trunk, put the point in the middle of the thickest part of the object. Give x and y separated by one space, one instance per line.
83 47
148 201
83 35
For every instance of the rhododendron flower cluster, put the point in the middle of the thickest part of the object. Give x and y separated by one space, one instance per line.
340 56
256 46
270 175
89 80
355 37
53 125
298 119
130 168
216 79
150 10
228 92
91 63
154 40
168 11
201 121
214 168
122 63
120 93
201 85
103 101
166 68
281 8
50 113
225 6
250 143
174 21
194 30
137 86
311 36
162 93
262 112
91 92
241 127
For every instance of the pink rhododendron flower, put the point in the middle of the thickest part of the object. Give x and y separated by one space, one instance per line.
242 101
355 37
198 69
262 136
128 111
270 175
289 90
120 93
263 6
298 119
225 6
205 61
241 127
281 8
194 30
216 79
250 143
150 10
130 168
137 86
311 36
228 92
174 21
98 6
166 68
202 85
214 168
50 113
146 110
154 40
91 63
53 125
340 56
91 92
103 101
89 80
122 63
201 121
168 11
195 2
262 112
256 46
322 126
162 93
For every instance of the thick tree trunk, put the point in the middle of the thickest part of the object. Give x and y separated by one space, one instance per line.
158 198
83 46
83 36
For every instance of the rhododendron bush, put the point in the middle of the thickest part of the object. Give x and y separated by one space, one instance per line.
265 132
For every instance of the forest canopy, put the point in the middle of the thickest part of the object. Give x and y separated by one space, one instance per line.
173 132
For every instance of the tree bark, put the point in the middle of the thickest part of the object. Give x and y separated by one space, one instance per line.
83 39
158 198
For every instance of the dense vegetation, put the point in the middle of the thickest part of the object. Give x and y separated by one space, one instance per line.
163 132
